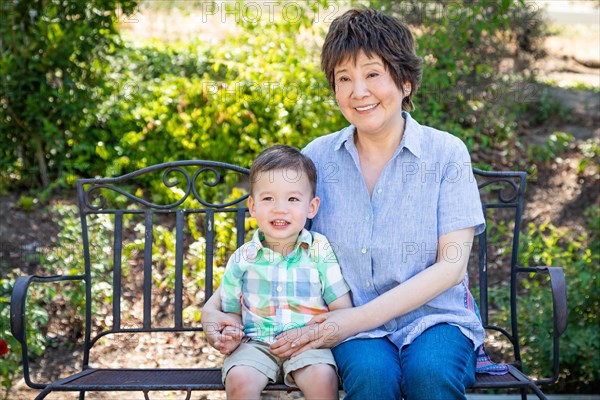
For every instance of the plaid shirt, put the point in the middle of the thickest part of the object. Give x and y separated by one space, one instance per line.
276 293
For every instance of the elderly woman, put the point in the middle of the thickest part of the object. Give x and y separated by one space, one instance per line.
401 207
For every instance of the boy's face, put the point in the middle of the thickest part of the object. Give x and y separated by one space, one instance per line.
281 201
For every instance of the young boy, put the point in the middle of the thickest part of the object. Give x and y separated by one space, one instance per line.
279 280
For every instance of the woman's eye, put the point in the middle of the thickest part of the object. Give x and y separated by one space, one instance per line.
344 79
373 75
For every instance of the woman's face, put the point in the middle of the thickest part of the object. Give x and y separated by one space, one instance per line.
367 95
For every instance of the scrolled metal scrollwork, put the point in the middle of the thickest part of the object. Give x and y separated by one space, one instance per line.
502 195
218 178
94 199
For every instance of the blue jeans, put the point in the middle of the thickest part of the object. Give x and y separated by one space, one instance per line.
439 364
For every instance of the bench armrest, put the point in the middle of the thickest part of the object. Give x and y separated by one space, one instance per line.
559 312
18 321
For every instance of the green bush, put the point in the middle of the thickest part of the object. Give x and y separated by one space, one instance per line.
579 256
467 87
52 59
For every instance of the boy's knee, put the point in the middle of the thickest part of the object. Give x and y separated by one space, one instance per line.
323 374
317 381
241 382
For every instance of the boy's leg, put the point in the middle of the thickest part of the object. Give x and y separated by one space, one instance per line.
314 372
439 364
248 369
370 369
244 382
317 381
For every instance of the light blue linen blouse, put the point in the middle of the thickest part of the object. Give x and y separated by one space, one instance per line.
426 190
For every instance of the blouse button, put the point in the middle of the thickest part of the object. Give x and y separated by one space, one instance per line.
379 190
278 288
363 250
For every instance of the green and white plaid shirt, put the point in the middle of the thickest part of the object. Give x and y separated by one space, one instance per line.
276 293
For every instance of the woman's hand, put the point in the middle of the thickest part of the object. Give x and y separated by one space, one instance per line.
322 331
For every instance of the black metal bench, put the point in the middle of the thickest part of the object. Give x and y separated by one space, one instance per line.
208 193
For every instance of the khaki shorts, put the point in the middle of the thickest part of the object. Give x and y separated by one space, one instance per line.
257 355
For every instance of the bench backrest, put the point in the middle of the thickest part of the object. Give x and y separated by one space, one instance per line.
496 249
175 224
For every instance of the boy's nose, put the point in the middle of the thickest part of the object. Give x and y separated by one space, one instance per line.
280 207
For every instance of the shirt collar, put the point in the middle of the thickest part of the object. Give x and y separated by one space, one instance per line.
345 134
413 132
304 240
411 139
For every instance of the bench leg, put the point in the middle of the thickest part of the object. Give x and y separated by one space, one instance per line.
43 394
82 395
523 393
538 391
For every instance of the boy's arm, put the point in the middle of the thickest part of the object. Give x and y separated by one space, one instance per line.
221 329
230 294
336 291
232 336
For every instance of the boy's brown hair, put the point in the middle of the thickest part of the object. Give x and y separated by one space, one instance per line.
282 157
373 32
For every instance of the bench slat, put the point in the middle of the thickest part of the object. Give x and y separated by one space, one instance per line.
118 249
210 244
149 239
179 222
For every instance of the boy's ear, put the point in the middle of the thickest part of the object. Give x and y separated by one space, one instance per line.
313 207
251 205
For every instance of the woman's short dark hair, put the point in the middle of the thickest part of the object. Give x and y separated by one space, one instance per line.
283 157
373 32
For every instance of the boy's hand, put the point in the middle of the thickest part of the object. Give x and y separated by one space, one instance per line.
230 339
223 331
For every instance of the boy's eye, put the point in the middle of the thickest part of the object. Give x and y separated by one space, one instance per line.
294 199
267 198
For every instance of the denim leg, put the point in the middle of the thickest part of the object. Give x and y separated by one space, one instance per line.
439 364
370 369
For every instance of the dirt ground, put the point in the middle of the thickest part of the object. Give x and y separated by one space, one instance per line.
558 195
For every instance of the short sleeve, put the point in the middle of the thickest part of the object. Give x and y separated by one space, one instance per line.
333 283
459 204
231 286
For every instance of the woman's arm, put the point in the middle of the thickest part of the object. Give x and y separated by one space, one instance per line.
343 301
333 327
449 270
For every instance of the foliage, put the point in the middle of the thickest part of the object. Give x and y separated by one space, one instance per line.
157 102
579 256
52 58
467 88
231 103
556 144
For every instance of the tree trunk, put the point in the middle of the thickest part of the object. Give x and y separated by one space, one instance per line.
41 160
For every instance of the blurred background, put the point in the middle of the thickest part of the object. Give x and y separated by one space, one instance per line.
105 87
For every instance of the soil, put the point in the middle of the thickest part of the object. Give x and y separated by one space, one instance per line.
558 195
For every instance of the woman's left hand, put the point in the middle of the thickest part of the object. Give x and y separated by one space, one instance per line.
322 331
